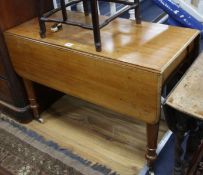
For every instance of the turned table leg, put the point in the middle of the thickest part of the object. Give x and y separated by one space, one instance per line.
181 128
32 99
178 123
178 152
192 144
152 137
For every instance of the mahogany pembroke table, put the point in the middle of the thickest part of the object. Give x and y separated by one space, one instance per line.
128 76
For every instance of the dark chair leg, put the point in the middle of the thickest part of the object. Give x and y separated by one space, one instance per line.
42 25
63 8
137 12
95 23
85 6
152 137
32 98
42 31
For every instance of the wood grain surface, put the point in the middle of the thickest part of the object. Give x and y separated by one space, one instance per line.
96 133
187 97
147 45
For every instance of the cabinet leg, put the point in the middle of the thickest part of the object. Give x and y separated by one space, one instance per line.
152 137
32 98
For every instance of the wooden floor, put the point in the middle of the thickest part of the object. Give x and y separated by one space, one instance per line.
96 134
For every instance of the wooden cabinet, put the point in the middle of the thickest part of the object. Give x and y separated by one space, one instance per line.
13 99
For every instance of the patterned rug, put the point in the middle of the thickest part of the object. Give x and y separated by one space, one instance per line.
23 152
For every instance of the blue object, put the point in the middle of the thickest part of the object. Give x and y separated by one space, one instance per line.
173 22
179 15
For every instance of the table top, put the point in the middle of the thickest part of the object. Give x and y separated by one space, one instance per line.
127 76
148 46
187 97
